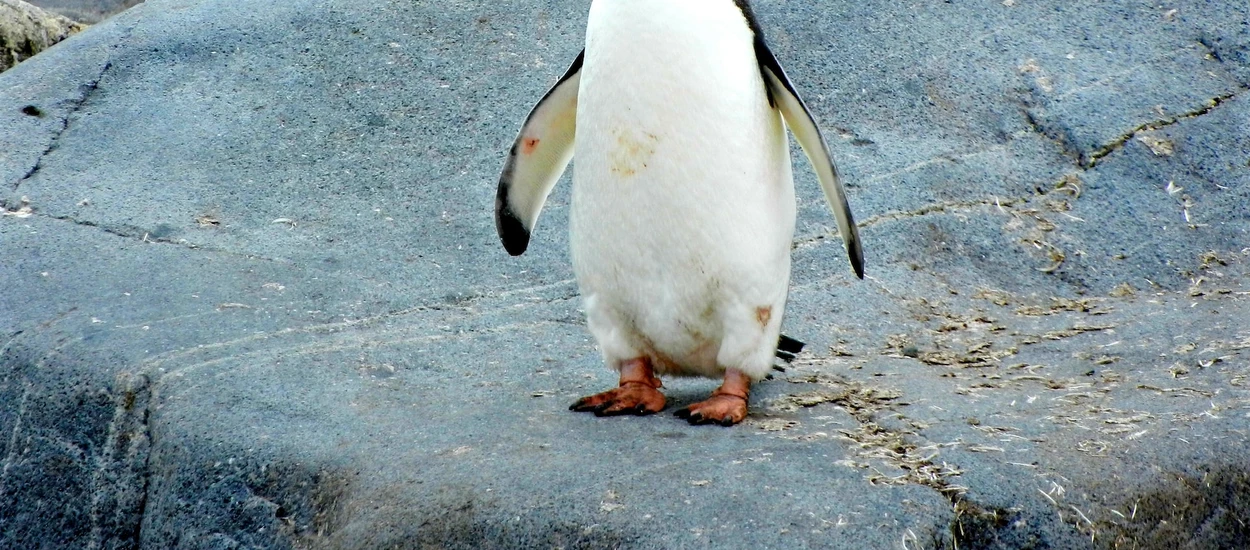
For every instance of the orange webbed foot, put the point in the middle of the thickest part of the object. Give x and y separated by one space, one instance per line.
727 406
631 398
723 409
637 394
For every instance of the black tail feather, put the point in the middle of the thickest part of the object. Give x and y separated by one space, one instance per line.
788 347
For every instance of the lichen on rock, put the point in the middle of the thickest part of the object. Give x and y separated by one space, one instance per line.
26 30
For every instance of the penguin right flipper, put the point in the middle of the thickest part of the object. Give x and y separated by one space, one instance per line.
782 93
538 157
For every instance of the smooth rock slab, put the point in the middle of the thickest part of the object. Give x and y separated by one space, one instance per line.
252 295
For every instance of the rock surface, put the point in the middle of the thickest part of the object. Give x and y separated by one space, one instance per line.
26 30
252 295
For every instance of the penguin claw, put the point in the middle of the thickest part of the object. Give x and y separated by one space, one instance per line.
586 404
722 409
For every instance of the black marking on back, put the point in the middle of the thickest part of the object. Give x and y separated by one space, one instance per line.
745 7
764 56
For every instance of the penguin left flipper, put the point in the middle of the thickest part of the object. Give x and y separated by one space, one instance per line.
538 157
782 93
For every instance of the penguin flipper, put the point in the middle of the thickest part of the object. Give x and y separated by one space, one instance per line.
783 95
539 155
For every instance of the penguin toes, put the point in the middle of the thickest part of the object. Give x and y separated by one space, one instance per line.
722 409
636 399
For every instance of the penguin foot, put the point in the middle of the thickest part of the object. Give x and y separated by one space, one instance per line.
727 406
723 409
631 398
638 393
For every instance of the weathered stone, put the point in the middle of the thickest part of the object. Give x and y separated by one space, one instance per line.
251 294
26 30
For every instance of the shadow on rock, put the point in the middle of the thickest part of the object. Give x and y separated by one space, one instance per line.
1210 510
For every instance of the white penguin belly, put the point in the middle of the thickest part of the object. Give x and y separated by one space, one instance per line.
683 202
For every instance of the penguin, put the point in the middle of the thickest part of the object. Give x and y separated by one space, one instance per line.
683 211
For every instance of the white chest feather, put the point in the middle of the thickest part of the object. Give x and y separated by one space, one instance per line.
683 202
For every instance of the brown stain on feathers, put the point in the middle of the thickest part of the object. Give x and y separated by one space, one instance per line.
632 152
763 314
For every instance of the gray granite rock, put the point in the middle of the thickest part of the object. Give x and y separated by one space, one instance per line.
252 296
